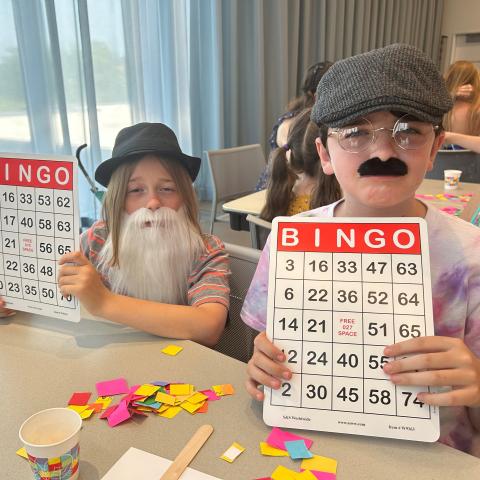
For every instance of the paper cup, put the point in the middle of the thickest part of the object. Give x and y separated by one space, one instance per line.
51 439
452 179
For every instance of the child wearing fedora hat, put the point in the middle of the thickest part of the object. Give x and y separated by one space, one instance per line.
379 116
146 264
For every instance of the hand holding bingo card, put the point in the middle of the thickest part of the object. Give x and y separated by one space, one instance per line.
39 222
340 291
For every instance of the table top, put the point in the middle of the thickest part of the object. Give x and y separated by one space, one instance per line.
43 361
253 203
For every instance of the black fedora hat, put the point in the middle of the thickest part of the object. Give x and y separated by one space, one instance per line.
142 139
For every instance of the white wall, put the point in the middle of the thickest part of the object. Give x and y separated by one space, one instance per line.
460 17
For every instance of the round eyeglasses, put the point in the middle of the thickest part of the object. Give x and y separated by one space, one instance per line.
408 133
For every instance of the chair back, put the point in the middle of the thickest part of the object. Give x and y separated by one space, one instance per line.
234 173
465 160
259 231
237 338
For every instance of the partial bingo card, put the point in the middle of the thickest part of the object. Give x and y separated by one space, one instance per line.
39 223
340 290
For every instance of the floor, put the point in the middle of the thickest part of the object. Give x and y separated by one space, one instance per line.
222 228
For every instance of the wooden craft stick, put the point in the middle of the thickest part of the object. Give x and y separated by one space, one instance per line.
188 453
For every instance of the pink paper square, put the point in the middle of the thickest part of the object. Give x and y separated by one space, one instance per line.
210 394
108 411
112 387
80 398
119 415
278 437
323 475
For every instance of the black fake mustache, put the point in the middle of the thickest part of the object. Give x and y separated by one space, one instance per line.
375 166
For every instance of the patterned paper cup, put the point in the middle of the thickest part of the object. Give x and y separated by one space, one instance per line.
51 439
452 179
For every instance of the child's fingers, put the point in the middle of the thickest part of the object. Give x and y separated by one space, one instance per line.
68 270
469 396
440 378
261 376
263 344
421 345
428 361
73 257
271 367
252 389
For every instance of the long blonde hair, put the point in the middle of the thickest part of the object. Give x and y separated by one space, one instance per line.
464 73
113 206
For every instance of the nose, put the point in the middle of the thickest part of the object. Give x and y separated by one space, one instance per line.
385 146
154 202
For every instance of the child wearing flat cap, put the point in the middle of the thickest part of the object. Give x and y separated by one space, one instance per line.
379 116
146 263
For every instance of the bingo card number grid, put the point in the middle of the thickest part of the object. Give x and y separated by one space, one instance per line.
39 223
340 290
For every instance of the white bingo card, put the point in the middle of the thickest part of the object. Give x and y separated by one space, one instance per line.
340 290
39 223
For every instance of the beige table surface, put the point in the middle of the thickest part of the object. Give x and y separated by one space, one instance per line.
43 361
253 203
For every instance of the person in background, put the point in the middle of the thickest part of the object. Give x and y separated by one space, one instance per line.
468 142
146 264
306 99
297 183
463 83
380 115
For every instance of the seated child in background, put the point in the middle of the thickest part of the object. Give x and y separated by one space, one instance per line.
306 99
463 83
379 116
297 182
146 263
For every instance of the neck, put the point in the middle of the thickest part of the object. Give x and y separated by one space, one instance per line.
409 208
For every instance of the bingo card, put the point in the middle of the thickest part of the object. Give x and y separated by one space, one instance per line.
340 290
39 223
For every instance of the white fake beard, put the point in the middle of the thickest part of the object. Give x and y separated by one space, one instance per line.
156 252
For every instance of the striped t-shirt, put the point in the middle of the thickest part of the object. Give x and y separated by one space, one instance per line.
208 279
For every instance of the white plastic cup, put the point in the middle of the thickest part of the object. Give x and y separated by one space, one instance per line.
452 179
51 439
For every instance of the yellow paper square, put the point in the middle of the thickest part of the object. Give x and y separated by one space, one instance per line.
105 401
181 398
86 414
22 452
172 350
218 390
78 408
146 390
266 449
163 408
232 452
181 389
320 464
170 412
283 473
165 398
197 397
191 407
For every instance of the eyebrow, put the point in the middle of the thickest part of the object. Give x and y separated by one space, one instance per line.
140 179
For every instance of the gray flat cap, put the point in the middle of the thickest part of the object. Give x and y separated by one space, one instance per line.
394 78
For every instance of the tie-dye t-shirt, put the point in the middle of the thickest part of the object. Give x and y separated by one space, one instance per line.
455 271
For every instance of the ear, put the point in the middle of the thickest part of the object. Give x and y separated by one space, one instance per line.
325 161
437 143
